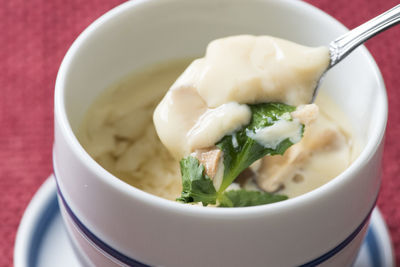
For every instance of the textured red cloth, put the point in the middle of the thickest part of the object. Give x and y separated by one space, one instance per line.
35 35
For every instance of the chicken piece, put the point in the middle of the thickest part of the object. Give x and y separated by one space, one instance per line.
275 170
306 114
210 158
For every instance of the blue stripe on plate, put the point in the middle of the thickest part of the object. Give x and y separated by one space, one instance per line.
48 214
131 262
372 244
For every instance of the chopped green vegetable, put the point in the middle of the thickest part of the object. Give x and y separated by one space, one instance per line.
196 185
239 152
244 198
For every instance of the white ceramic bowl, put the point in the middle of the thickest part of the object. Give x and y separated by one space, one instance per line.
112 223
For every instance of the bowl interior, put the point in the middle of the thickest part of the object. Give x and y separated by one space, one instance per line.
141 33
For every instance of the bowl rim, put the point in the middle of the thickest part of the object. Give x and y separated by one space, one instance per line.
60 115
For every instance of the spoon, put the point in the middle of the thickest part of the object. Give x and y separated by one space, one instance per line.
345 44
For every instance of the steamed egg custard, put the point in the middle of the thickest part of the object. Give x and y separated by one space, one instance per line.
210 99
235 129
247 98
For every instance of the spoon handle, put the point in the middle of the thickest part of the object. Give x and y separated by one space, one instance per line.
346 43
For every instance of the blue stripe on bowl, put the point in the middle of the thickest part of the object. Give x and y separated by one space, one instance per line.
131 262
342 245
97 241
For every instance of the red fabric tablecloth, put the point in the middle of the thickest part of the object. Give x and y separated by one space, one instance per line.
35 35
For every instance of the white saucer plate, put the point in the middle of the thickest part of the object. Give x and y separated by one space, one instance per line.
42 240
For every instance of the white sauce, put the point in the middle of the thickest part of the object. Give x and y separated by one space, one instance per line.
216 122
243 69
271 136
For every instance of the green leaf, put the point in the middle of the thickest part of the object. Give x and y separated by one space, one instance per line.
244 198
240 151
196 185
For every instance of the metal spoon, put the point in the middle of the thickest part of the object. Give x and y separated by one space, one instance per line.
345 44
